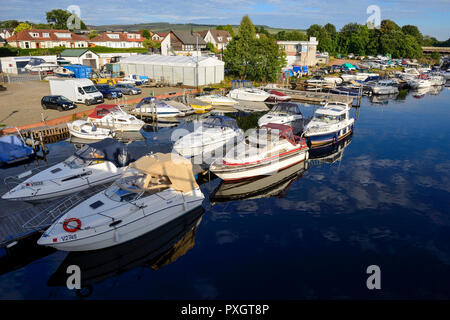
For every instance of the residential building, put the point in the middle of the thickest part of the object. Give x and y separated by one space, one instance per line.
118 40
2 42
81 56
301 53
159 36
47 38
182 43
219 38
6 33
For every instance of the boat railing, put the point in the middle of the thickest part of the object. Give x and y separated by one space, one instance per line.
48 215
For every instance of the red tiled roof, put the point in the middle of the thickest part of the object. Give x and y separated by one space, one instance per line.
216 34
123 36
24 35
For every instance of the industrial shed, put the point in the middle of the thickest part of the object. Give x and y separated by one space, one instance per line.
175 69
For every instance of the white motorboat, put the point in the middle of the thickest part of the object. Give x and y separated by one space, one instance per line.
87 130
157 108
213 133
329 125
360 76
155 190
40 65
113 117
437 80
94 164
277 96
384 87
409 74
419 83
249 94
217 100
265 151
282 113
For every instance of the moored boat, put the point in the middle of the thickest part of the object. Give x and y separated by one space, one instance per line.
155 190
282 113
330 124
267 150
87 130
217 99
94 164
156 108
113 117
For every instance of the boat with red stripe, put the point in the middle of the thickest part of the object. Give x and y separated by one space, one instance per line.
265 151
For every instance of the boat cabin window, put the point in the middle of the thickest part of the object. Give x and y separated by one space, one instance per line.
328 118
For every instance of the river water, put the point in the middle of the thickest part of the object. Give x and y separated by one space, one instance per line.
382 197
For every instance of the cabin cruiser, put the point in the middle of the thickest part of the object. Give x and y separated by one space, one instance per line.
213 133
261 187
249 94
156 107
87 130
92 165
330 124
436 79
153 191
384 87
282 113
419 82
409 74
40 65
319 80
265 151
217 99
113 117
360 76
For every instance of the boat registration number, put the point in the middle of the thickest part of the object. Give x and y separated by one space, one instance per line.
69 237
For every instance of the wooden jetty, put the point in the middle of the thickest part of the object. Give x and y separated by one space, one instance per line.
318 97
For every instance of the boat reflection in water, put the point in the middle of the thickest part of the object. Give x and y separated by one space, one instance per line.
262 187
331 154
154 250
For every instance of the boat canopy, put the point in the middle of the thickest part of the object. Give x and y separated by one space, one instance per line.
283 130
102 110
12 148
159 167
235 84
286 107
221 121
106 150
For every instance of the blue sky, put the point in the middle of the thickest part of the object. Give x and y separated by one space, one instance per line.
431 16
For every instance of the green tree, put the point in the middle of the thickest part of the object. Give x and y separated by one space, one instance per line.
23 26
228 28
149 44
250 58
436 57
314 31
413 31
93 34
146 34
59 17
211 47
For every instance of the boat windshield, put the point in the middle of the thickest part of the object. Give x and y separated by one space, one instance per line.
285 109
116 193
260 138
328 118
75 162
86 156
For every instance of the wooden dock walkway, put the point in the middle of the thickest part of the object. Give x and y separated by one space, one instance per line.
317 97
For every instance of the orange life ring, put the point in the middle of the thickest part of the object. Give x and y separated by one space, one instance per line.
67 221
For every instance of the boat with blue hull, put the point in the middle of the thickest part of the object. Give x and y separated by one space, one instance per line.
13 149
330 124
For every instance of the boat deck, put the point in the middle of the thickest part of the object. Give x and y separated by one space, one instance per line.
317 97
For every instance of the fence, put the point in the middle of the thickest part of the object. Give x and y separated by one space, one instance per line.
22 77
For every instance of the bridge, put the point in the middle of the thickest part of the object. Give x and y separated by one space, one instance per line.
441 50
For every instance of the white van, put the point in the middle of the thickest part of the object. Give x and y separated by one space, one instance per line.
76 90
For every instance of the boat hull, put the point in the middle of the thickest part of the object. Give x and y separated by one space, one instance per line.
267 168
327 139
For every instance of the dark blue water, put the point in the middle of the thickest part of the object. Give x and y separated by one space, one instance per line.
382 198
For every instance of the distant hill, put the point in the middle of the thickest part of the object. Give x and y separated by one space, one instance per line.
165 27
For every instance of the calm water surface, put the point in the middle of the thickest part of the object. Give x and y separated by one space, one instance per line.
382 198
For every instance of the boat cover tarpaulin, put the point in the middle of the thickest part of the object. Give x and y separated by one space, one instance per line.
107 150
176 168
13 148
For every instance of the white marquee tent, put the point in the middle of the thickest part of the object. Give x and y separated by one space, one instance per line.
174 69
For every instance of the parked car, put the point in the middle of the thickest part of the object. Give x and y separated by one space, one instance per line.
59 103
127 88
108 91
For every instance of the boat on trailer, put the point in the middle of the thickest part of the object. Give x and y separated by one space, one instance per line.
330 124
153 191
265 151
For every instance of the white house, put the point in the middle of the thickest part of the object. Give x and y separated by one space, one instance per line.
47 38
219 38
183 43
118 40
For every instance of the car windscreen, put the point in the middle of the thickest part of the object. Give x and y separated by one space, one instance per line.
90 89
